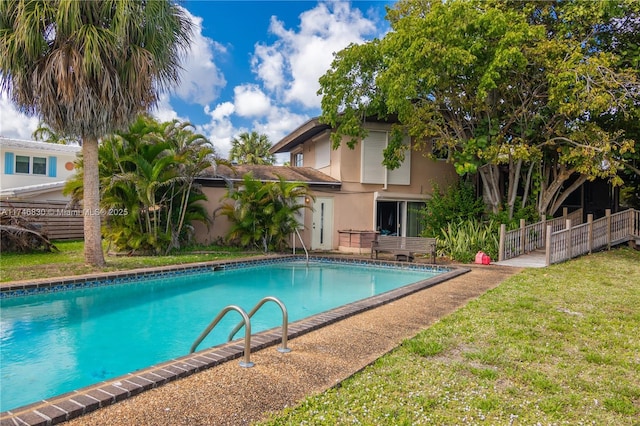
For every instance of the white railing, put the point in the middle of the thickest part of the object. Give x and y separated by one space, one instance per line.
532 237
574 241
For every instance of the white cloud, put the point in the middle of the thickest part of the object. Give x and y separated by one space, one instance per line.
292 66
201 80
13 123
279 123
163 111
219 130
268 64
250 101
276 123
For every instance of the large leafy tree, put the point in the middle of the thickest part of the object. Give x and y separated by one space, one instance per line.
148 189
87 68
513 85
251 148
264 214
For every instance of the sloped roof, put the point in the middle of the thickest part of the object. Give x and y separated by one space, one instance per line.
307 175
303 133
31 190
39 146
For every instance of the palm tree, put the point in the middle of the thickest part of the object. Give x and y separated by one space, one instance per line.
251 148
87 68
149 171
193 153
45 134
264 214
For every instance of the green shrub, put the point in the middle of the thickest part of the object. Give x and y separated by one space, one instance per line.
458 201
461 240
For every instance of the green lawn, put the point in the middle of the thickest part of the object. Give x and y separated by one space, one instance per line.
70 261
557 345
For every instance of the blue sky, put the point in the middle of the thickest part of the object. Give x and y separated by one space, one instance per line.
253 65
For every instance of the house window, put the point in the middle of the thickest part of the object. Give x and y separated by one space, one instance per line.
297 159
31 165
373 171
323 153
23 164
39 166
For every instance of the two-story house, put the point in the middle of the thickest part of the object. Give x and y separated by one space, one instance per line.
35 171
354 191
371 197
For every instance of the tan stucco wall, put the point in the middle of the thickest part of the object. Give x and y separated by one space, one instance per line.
354 204
350 211
220 226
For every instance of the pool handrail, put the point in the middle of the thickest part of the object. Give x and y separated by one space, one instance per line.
247 333
285 321
303 246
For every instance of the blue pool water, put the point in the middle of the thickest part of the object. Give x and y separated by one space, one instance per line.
56 342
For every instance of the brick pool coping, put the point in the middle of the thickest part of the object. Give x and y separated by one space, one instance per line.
82 401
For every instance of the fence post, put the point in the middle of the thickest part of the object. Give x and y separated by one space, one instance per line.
547 256
503 230
631 222
568 227
607 213
565 212
523 237
590 231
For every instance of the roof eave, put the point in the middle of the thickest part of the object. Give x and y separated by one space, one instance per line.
303 133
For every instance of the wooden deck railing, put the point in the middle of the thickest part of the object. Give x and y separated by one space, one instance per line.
532 237
605 232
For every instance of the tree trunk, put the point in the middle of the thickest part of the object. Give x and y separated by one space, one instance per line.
490 176
93 254
514 182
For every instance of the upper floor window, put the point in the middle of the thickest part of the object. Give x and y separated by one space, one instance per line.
373 171
323 153
31 165
28 165
298 159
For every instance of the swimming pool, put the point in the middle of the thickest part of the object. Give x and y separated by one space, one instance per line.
119 323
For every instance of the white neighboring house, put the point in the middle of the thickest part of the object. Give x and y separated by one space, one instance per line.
35 171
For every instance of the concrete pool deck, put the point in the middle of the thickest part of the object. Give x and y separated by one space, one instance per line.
227 394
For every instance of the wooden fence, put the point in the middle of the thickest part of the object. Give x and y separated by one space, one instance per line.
584 238
532 237
51 217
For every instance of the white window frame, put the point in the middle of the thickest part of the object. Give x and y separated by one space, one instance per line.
372 170
30 165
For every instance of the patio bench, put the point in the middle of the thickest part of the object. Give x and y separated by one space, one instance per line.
404 248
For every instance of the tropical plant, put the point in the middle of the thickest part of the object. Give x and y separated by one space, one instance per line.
461 240
46 134
251 148
147 177
87 68
264 214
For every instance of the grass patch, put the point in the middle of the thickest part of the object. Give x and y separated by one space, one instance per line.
70 261
556 345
